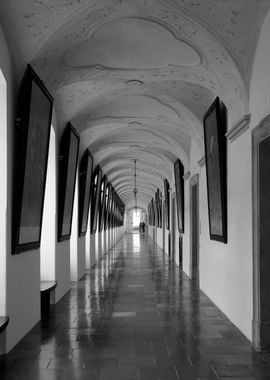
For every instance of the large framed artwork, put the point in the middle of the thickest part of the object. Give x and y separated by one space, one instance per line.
149 215
179 185
107 205
85 175
95 198
68 160
159 208
32 136
103 197
167 203
215 125
154 212
111 208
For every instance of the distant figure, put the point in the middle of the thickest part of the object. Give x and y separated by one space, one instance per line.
143 227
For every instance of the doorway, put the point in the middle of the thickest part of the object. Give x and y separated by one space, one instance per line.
261 235
194 229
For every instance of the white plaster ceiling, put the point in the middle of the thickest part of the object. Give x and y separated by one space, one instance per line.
135 77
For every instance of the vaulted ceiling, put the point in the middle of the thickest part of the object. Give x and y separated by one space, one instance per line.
135 77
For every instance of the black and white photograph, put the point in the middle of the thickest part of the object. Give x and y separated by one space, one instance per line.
135 189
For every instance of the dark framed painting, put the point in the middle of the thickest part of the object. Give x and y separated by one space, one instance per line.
95 197
180 199
111 208
103 197
167 203
107 204
149 215
158 203
68 159
154 212
85 175
160 207
32 136
215 125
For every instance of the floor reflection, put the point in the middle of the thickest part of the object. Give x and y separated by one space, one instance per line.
135 315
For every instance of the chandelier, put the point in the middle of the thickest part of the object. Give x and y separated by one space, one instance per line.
135 190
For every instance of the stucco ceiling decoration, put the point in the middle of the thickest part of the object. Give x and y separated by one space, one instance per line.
132 106
148 44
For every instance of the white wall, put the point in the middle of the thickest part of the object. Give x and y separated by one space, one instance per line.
48 236
81 268
87 243
260 79
62 249
19 291
62 269
159 236
77 244
226 269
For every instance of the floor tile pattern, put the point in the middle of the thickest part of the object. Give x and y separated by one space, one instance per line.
135 316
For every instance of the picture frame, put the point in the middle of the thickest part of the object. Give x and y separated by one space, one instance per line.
111 208
180 194
154 212
215 125
32 137
95 197
107 205
85 177
68 162
103 196
158 203
149 215
167 203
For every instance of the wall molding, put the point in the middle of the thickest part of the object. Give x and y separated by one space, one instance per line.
239 128
201 162
186 175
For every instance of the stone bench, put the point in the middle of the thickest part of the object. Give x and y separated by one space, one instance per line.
3 323
46 287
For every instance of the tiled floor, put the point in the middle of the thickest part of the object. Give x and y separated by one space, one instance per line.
135 316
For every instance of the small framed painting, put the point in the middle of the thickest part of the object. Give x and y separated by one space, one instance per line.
179 186
68 160
85 175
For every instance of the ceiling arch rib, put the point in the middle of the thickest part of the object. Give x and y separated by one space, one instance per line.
150 159
144 198
144 150
122 177
147 179
124 171
189 107
126 188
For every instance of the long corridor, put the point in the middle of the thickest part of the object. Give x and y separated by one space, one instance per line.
135 316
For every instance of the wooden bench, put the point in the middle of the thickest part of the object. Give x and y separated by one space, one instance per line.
46 287
3 323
